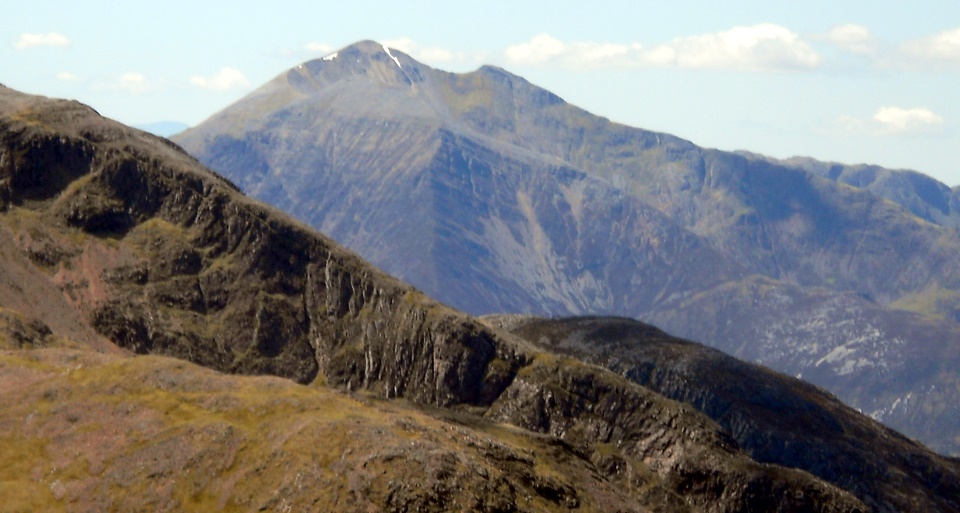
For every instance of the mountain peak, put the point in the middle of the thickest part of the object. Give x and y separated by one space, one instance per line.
497 71
367 49
372 48
365 59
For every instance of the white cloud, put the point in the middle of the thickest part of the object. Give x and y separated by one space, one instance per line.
131 82
66 76
895 120
889 121
851 124
541 48
318 48
944 46
759 47
134 83
851 37
227 78
33 40
546 49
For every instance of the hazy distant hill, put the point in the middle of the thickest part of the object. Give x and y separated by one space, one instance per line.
494 195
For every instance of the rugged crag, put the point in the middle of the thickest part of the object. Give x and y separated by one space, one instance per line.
493 195
122 238
775 418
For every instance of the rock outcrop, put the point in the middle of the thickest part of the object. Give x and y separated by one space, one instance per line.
775 418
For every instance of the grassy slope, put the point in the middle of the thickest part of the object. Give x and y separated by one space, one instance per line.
90 432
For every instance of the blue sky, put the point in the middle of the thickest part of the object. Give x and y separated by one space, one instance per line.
855 81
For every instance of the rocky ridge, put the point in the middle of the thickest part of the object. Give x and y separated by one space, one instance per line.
775 418
150 251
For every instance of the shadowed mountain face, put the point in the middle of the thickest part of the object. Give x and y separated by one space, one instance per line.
493 195
923 196
117 242
775 418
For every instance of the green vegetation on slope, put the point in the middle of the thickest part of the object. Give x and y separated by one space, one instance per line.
85 432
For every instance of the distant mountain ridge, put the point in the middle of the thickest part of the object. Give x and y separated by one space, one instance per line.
494 195
922 195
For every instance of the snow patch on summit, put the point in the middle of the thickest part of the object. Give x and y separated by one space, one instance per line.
330 57
391 56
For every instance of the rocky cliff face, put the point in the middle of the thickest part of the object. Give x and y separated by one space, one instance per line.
864 353
139 247
162 256
493 195
775 418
